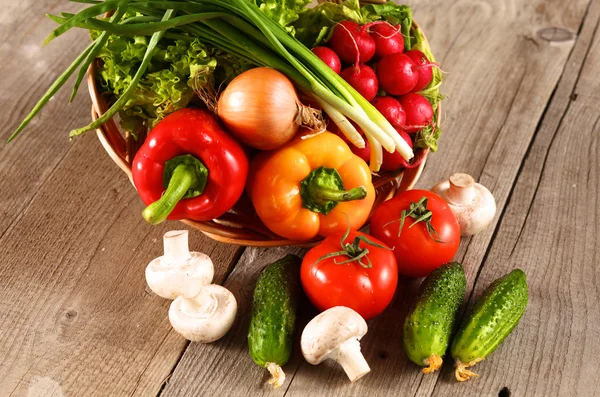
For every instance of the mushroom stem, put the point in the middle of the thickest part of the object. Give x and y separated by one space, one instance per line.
352 360
176 247
461 189
202 305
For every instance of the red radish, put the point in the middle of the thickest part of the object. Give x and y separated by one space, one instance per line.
391 109
419 113
364 153
388 39
351 43
363 79
330 58
423 69
397 73
394 161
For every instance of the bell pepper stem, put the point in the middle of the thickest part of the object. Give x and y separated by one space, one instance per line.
324 193
323 189
183 177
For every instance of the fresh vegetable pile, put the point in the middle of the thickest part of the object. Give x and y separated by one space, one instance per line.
298 107
350 278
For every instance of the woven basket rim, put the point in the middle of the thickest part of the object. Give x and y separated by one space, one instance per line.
232 228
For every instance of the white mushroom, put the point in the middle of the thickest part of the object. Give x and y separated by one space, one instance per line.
178 269
472 203
200 312
334 335
205 314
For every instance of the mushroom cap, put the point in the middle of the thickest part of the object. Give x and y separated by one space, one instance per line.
475 218
474 206
204 322
170 280
329 330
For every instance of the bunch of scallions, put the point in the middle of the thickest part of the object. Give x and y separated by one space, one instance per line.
239 28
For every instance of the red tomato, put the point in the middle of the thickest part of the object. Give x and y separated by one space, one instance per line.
329 283
418 252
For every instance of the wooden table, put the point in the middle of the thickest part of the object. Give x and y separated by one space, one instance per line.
522 117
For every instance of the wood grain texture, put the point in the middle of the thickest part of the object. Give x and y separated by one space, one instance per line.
76 318
500 80
74 302
27 70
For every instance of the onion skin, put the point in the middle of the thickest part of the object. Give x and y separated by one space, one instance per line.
260 108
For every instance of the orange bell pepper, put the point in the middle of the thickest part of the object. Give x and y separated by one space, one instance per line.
307 187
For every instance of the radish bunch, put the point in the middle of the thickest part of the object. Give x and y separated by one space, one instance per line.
371 58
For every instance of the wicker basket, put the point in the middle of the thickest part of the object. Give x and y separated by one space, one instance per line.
241 225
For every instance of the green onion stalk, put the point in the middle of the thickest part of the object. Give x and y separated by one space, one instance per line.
236 27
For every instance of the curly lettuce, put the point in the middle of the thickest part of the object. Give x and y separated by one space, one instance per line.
168 85
284 12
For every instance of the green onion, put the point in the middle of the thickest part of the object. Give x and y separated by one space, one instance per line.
93 54
239 28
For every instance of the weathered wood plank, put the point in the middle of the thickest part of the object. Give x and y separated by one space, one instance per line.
27 70
75 315
501 78
550 230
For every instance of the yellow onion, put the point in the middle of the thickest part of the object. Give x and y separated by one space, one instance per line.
260 107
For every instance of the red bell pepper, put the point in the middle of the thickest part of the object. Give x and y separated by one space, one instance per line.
202 168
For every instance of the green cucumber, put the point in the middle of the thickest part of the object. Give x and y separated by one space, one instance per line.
491 320
429 324
274 316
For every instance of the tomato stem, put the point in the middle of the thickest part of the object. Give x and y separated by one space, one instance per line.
353 250
419 212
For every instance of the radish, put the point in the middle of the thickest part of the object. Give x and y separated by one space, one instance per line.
330 58
363 79
423 69
391 109
351 43
388 39
394 161
419 113
398 74
364 153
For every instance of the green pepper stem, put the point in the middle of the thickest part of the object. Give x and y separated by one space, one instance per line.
325 193
183 177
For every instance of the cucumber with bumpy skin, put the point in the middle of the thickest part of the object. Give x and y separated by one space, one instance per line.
491 320
429 324
274 316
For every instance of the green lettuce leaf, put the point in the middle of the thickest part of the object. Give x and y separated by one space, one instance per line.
284 12
176 68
